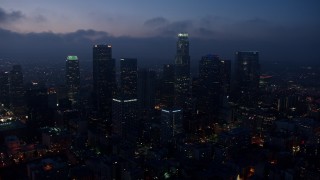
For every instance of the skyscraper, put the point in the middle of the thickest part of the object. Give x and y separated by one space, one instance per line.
182 71
125 104
128 78
104 79
125 118
214 84
225 74
210 85
247 76
167 86
171 124
73 78
146 89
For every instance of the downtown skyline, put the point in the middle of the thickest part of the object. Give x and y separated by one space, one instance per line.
159 90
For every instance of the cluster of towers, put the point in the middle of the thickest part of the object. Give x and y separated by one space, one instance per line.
125 104
180 95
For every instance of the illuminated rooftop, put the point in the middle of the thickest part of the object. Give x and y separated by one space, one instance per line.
125 100
72 58
171 110
103 45
183 35
252 52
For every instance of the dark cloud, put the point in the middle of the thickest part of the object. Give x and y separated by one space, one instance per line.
159 26
81 35
179 26
283 44
263 29
173 28
54 47
6 17
155 22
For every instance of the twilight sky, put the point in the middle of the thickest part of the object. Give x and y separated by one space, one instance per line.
280 30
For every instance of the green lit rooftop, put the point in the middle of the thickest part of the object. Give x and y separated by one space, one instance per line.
72 58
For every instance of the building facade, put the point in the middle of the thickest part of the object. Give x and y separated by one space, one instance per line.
167 86
171 124
104 79
73 78
146 91
182 71
128 78
125 105
210 85
247 76
125 118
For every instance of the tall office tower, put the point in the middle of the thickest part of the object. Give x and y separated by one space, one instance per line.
125 105
16 88
210 85
104 79
4 89
182 71
125 118
167 86
146 89
73 78
128 78
171 124
225 74
213 86
247 76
